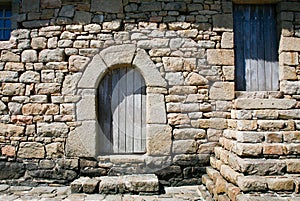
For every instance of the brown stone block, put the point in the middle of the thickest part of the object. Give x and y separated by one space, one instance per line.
9 151
293 148
291 136
21 119
247 149
273 137
229 174
213 174
252 183
293 165
220 185
280 184
31 150
273 149
232 191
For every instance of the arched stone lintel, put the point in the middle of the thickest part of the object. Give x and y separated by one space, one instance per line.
88 133
121 55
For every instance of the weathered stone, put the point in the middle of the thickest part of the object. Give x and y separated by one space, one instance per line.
280 184
220 57
175 78
8 76
70 83
178 119
14 108
159 139
11 170
81 141
290 87
14 66
48 55
9 151
29 56
54 174
191 159
156 112
147 183
264 103
196 79
54 150
31 150
223 22
52 129
184 146
222 91
67 11
90 185
12 89
82 17
227 40
289 44
114 6
173 63
30 77
78 63
247 149
50 3
189 133
57 65
39 43
47 88
9 56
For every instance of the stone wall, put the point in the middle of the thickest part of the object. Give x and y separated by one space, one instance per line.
45 109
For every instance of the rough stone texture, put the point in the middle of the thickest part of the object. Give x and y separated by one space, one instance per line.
114 6
220 57
11 170
31 150
159 139
50 71
222 91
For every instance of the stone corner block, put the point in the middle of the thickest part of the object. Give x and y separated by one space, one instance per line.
159 139
156 111
82 142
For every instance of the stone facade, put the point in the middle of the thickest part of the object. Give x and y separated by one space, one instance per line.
52 65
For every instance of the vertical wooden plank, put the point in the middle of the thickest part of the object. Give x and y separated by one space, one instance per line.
247 46
143 106
240 82
137 112
104 114
261 73
115 110
122 111
129 111
253 49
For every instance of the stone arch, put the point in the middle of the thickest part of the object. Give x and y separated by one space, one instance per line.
83 140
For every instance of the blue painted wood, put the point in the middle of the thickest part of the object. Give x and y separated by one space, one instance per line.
256 57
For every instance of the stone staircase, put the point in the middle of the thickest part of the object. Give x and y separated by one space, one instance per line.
133 184
259 154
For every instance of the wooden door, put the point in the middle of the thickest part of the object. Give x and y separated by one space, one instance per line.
122 112
256 46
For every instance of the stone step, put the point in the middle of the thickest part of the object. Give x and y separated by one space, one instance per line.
256 166
135 184
254 183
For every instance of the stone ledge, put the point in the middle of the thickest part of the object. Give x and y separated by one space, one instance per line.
139 183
